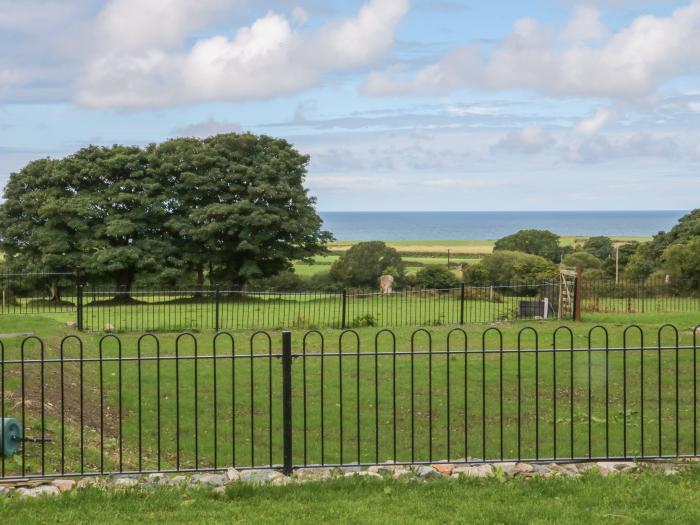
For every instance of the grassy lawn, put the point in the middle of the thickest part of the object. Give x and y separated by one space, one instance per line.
647 498
427 406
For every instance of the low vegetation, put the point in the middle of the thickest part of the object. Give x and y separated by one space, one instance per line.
645 498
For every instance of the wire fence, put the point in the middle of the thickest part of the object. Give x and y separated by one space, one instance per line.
195 403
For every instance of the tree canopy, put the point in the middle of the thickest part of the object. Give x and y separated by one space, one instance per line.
364 262
508 267
232 207
535 242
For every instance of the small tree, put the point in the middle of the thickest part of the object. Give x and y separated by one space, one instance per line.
435 276
364 262
601 247
535 242
586 260
506 267
682 263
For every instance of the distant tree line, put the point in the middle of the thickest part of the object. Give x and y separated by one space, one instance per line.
525 257
226 209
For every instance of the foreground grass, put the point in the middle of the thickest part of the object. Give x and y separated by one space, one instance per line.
647 498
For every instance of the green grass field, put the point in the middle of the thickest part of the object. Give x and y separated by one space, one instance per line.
419 253
647 498
430 393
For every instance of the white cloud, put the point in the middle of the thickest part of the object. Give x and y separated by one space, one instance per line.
585 25
594 123
266 59
531 139
630 63
205 129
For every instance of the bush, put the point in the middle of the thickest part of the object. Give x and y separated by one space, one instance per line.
365 262
506 267
534 242
282 282
600 247
435 276
586 260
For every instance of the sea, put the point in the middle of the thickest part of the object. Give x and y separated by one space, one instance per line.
485 225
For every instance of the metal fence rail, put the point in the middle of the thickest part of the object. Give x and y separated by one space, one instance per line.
139 310
189 403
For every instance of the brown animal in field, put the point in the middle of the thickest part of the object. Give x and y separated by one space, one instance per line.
385 283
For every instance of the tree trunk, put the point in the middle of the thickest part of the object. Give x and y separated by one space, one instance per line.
200 281
54 292
124 280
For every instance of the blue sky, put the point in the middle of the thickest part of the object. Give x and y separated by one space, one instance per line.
402 104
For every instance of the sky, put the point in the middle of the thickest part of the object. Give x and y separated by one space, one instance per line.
401 104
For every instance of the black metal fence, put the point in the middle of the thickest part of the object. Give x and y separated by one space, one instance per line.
103 309
187 403
96 308
640 296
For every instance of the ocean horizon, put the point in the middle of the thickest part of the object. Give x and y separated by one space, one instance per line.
487 225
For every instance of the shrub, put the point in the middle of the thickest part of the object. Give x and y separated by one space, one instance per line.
534 242
600 247
364 262
435 276
282 282
586 260
506 267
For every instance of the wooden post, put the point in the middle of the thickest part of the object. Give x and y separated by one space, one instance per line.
577 294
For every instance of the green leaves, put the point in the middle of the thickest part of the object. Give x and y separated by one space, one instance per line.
232 206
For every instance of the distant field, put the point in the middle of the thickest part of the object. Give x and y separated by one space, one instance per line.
419 253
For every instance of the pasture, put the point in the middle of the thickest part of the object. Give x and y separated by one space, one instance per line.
357 397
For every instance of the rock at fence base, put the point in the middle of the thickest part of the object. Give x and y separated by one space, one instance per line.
313 474
509 468
564 469
362 474
41 490
444 468
87 482
393 471
280 481
109 327
541 470
260 476
615 467
426 472
214 480
64 485
175 480
474 471
220 491
232 475
125 482
4 492
72 324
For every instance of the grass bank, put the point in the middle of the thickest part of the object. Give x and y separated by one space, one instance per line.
647 498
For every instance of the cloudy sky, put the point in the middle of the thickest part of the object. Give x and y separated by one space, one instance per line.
402 104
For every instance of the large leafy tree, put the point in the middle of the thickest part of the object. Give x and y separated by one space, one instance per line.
232 206
252 215
535 242
41 233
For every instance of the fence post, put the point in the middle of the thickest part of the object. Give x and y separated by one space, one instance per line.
287 466
345 299
79 307
217 324
577 294
461 304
